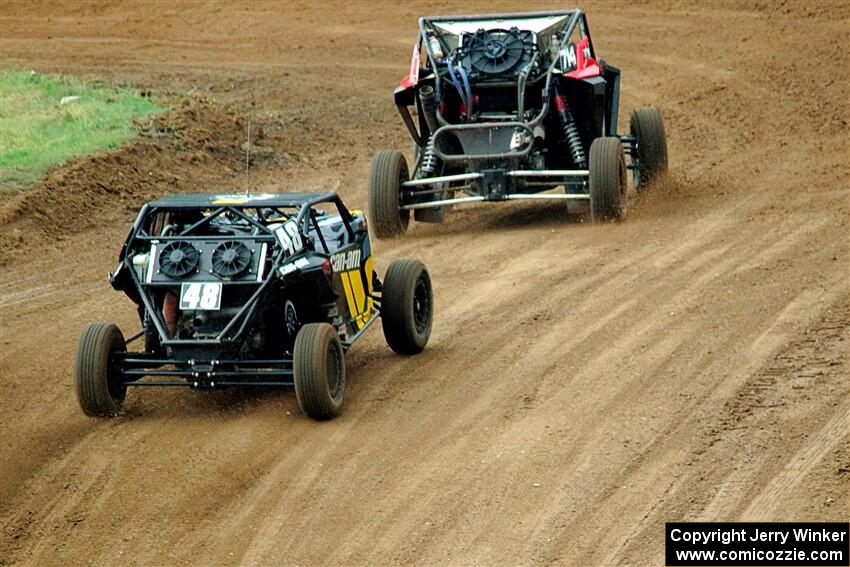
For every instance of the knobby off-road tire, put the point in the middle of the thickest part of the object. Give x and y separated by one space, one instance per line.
100 388
319 371
607 179
648 128
389 171
407 306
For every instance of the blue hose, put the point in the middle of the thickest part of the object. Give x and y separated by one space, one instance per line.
456 83
468 89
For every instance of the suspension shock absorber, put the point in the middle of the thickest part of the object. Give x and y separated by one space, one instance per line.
429 159
570 130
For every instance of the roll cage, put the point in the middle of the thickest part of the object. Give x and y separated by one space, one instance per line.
300 208
420 69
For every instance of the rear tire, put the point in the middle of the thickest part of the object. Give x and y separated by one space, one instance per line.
318 365
99 385
607 179
648 129
407 306
389 171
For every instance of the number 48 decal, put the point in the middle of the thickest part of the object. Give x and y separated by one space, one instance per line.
289 237
206 296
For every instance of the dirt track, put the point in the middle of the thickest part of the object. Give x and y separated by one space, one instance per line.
584 384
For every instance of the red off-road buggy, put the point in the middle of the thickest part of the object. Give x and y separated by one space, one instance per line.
508 107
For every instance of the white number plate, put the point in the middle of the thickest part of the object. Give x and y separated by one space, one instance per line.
289 237
206 296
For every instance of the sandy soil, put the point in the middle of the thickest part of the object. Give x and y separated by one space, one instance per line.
584 384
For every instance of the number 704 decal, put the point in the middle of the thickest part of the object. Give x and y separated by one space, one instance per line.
204 296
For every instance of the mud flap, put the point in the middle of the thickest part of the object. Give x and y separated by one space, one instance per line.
435 215
438 214
578 207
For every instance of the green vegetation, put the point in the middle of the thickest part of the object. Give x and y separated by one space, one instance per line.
37 131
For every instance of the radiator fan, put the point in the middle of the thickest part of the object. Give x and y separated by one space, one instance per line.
178 259
495 51
230 258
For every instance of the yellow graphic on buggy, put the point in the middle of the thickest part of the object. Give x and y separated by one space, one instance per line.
241 199
358 297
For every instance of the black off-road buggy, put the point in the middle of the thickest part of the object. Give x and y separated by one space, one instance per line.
510 106
250 290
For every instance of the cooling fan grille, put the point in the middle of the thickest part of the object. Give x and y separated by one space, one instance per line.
230 259
178 259
495 51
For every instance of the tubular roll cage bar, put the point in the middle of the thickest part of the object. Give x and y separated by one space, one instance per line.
206 373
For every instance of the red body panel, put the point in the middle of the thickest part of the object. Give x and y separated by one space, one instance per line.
413 75
585 66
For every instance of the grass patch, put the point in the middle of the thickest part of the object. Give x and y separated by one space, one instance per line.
37 131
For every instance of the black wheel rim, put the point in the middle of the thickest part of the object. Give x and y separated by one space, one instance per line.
336 381
422 304
290 317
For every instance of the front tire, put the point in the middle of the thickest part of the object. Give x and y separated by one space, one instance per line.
407 306
389 171
318 365
99 385
607 179
648 129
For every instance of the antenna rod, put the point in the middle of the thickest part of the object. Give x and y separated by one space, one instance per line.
248 159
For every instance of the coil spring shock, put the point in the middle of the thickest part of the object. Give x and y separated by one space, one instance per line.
571 132
429 159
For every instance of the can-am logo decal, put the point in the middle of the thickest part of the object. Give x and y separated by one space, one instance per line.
292 266
345 261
